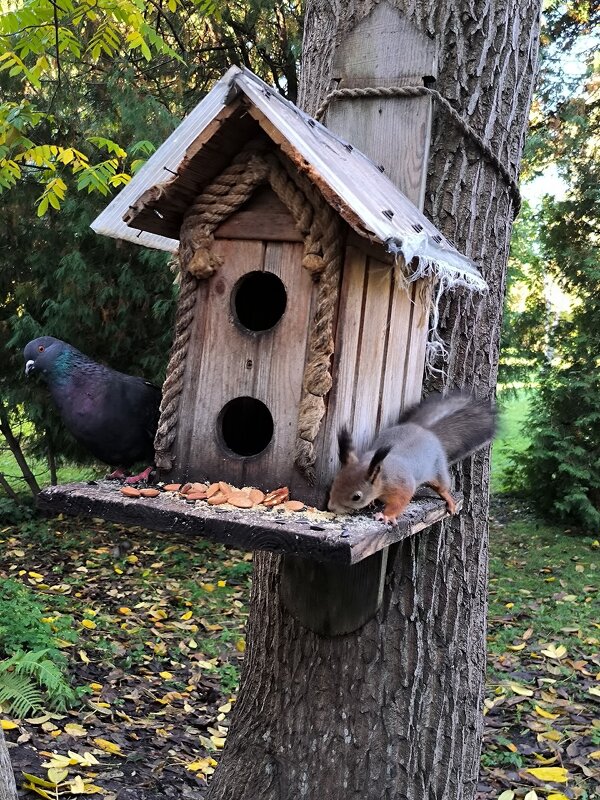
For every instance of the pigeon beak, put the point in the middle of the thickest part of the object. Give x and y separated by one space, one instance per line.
29 366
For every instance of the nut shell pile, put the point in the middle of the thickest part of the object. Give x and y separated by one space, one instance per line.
221 493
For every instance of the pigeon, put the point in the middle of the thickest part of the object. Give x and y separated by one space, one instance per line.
113 415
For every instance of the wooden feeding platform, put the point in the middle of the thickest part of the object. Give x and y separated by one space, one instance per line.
320 536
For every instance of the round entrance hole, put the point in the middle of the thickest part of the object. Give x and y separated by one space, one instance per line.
245 426
258 301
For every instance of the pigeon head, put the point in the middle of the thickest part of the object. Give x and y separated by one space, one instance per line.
48 356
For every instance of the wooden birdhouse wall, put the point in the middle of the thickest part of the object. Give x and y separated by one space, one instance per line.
380 336
228 361
379 357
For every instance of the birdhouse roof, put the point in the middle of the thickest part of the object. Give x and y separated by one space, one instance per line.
217 129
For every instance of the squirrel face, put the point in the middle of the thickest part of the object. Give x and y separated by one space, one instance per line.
357 484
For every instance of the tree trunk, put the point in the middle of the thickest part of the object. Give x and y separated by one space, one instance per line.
8 787
16 450
51 453
394 711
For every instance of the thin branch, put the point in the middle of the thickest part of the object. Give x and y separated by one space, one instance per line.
8 488
56 42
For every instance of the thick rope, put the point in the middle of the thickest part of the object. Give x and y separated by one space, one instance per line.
169 406
322 255
317 374
422 91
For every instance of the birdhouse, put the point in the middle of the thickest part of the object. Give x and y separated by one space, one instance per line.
305 290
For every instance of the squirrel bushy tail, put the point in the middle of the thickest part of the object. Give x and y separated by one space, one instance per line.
461 423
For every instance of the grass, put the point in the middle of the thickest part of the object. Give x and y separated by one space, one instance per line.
512 437
541 575
10 469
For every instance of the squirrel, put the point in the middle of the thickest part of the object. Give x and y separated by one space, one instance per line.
428 438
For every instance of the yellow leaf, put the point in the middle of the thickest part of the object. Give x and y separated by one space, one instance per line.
85 759
79 786
521 690
208 587
201 764
186 615
225 709
240 645
57 775
7 725
551 735
58 762
545 714
595 755
38 781
516 647
88 623
74 729
211 626
84 657
118 570
594 690
552 774
132 559
108 747
40 791
509 605
557 796
36 576
218 741
532 795
124 610
555 651
544 760
221 584
166 675
96 686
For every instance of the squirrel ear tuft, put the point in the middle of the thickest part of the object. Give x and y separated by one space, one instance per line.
346 449
375 466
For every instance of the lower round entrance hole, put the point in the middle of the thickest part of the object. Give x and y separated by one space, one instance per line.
245 426
258 301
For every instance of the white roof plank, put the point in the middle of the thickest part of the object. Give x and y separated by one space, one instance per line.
363 192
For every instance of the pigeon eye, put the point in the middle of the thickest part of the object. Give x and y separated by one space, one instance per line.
41 348
357 496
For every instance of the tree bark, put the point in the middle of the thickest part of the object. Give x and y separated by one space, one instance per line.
394 711
8 787
16 450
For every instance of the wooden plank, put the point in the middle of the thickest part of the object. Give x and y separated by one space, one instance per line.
392 132
370 362
205 157
333 599
398 354
279 367
342 540
222 373
421 300
347 345
264 217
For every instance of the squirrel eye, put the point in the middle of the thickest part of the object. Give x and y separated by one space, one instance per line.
41 348
357 496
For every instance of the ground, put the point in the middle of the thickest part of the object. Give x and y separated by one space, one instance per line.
154 633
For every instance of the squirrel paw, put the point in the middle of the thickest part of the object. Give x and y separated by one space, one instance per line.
381 517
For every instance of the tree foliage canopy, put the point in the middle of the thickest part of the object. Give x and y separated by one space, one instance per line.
64 64
89 89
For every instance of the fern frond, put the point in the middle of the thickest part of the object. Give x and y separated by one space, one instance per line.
35 667
20 693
